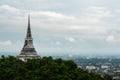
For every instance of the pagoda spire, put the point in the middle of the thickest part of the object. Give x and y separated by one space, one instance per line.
29 35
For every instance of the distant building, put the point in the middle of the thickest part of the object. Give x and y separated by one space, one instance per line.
117 73
90 67
104 66
116 78
28 51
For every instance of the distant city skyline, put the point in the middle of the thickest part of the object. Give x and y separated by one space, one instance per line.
90 27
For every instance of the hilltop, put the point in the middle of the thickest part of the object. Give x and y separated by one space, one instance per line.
45 68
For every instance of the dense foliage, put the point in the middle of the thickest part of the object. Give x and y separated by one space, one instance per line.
43 69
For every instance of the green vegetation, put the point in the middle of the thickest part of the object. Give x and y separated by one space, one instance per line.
43 69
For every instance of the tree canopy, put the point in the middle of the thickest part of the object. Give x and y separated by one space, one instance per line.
45 68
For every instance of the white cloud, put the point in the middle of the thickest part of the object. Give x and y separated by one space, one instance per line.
53 15
9 9
70 39
6 43
92 15
98 12
110 38
9 46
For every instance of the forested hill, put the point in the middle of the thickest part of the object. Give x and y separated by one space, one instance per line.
44 69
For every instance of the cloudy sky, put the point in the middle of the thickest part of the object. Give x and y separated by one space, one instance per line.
62 26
